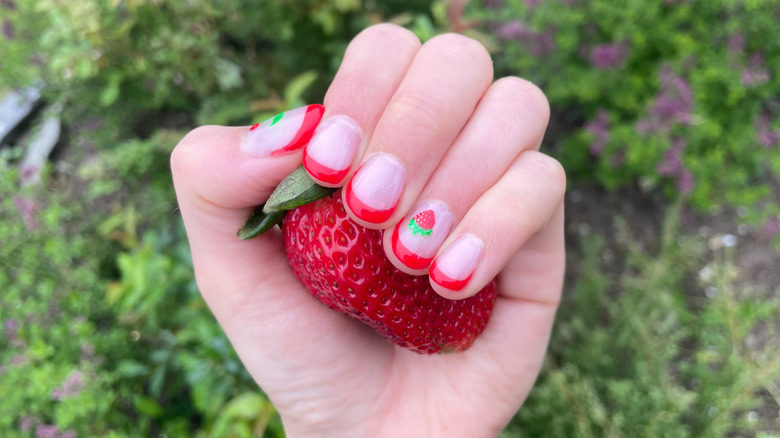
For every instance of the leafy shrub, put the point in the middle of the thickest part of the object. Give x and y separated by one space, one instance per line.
680 95
104 332
227 59
649 351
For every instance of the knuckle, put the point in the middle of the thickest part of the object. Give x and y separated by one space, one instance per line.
418 112
551 172
529 99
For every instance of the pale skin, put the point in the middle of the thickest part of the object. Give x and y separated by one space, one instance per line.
464 139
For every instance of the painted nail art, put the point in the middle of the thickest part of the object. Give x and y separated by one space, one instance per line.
374 190
416 239
283 133
330 153
453 268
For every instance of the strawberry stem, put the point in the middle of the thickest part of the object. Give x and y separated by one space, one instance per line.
295 190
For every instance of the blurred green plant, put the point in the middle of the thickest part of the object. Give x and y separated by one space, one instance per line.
635 352
104 333
218 61
676 95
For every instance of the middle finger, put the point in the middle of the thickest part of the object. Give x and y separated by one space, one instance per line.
442 87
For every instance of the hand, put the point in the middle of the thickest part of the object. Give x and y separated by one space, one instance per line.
442 131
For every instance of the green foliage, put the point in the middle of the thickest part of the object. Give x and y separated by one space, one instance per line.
636 353
105 334
220 61
676 95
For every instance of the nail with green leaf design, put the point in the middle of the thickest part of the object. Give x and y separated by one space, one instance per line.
283 133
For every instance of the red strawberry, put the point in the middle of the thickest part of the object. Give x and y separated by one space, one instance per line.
344 265
422 223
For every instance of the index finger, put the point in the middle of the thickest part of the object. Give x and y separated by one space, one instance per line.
374 65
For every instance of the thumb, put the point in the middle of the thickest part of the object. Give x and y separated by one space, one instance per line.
220 174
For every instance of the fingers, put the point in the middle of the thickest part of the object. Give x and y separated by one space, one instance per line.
510 118
518 210
438 94
374 65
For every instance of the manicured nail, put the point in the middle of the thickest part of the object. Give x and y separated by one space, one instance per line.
453 268
282 133
331 151
417 238
373 192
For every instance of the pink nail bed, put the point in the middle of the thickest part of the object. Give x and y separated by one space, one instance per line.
373 192
330 153
416 239
455 266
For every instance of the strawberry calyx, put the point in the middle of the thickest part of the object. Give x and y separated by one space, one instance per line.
295 190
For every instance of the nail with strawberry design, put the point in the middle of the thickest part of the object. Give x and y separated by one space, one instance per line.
285 132
416 240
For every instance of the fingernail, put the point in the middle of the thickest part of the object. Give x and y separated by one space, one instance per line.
417 238
376 187
331 151
282 133
453 268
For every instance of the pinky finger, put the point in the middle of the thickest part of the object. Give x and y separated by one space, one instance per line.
519 206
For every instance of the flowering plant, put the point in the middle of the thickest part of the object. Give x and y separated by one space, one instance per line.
651 92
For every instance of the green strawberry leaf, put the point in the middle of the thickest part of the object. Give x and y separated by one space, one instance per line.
259 222
295 190
417 229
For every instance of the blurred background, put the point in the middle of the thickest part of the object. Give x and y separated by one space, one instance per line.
664 113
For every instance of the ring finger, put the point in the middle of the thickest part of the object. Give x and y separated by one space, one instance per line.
510 118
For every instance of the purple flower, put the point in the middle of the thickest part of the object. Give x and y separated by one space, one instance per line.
26 207
530 4
18 359
537 44
8 4
11 329
27 422
755 73
672 166
494 4
771 228
599 129
736 43
513 30
71 387
8 30
685 181
673 104
672 163
46 431
767 137
605 56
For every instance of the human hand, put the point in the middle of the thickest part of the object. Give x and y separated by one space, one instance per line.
452 136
